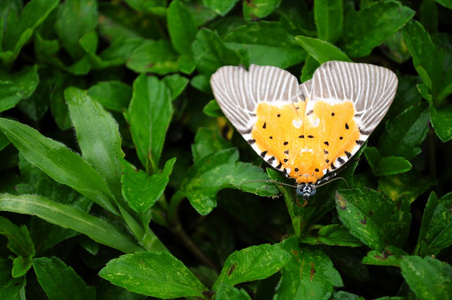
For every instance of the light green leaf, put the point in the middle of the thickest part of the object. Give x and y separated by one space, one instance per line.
176 84
149 116
427 277
252 263
181 27
309 274
57 161
100 144
441 119
329 19
373 218
372 25
159 275
60 281
331 235
226 292
69 217
322 51
17 86
384 166
391 256
267 44
142 190
258 9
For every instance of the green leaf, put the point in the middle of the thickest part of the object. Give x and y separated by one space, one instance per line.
176 84
17 86
331 235
207 141
18 34
427 277
74 19
445 3
69 217
441 119
210 53
309 275
426 58
405 133
373 218
19 241
221 7
60 281
113 95
100 144
384 166
159 275
321 51
181 27
212 109
436 228
226 292
141 190
372 25
60 163
149 116
252 263
328 19
267 44
258 9
154 56
395 48
10 287
220 170
390 256
21 265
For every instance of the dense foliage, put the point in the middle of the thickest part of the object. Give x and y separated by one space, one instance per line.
156 195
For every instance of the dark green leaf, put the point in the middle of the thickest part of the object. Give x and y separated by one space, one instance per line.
395 48
181 27
342 295
149 116
308 275
258 9
154 56
405 133
384 166
310 65
436 229
428 278
210 53
221 170
252 263
75 18
159 275
267 44
372 25
328 19
426 58
176 84
212 109
100 144
60 163
69 217
429 15
207 141
321 51
391 256
226 292
373 218
331 235
17 86
445 3
221 7
10 288
142 190
60 281
441 119
19 241
113 95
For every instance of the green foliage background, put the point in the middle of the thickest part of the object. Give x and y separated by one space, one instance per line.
155 195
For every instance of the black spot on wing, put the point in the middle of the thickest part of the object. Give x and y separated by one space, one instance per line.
264 153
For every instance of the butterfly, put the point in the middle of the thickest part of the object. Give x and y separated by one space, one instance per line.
306 131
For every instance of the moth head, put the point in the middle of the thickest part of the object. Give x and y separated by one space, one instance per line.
306 190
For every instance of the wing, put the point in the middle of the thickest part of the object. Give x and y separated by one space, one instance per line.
371 90
238 91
